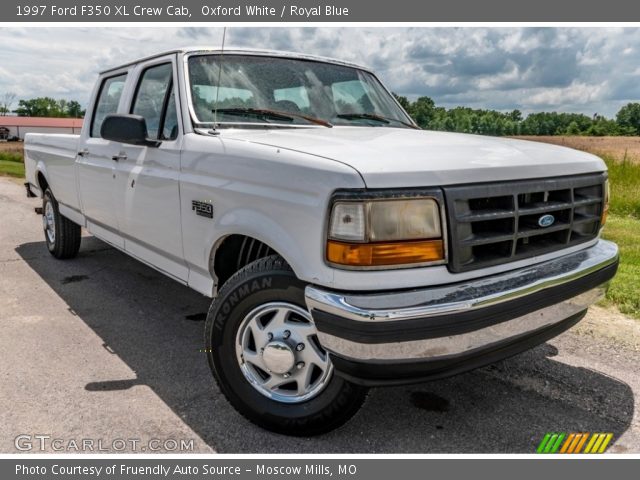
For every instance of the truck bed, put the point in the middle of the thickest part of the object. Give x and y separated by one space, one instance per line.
54 155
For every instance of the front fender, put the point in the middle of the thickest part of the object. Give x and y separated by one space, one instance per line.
254 224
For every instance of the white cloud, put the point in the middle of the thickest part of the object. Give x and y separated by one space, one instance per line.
577 69
576 93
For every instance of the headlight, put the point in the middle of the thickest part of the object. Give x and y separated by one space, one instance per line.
605 203
404 220
385 232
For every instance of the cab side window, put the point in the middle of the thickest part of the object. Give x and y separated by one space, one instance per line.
108 99
155 101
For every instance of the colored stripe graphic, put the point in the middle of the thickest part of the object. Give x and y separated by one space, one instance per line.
582 441
606 441
577 439
567 442
574 443
556 445
592 440
543 443
599 441
550 443
572 446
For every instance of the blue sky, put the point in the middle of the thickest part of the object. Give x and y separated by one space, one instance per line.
587 70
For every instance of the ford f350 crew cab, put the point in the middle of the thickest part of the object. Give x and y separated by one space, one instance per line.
343 247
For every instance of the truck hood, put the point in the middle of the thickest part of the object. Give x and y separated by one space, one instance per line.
394 157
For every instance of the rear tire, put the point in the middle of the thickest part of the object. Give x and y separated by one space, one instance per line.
60 233
275 372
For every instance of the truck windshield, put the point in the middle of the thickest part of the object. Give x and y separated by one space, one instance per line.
249 89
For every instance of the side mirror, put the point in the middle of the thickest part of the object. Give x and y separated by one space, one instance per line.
127 129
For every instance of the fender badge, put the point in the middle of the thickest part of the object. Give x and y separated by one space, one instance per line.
203 209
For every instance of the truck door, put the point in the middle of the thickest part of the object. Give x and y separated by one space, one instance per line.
147 178
95 166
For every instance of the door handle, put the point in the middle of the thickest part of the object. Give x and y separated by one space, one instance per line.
120 156
84 152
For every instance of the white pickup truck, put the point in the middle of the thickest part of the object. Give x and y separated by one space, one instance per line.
343 247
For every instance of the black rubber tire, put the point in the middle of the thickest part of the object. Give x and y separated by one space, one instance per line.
67 237
270 279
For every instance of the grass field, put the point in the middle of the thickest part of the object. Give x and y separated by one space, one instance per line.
625 287
622 155
624 179
620 148
11 169
11 146
11 159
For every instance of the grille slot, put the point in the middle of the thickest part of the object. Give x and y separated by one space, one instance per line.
496 223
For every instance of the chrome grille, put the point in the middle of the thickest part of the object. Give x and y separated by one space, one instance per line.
496 223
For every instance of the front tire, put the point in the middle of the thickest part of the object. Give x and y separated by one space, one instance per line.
263 351
60 233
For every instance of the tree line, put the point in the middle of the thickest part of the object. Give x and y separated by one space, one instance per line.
425 113
41 107
492 122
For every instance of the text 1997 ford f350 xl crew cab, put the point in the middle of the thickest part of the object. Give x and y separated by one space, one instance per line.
343 247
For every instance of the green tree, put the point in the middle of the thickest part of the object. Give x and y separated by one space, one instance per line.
492 122
602 126
403 101
74 109
572 129
515 116
422 111
629 118
39 107
49 107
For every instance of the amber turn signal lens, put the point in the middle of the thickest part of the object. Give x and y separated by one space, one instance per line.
605 206
388 253
605 213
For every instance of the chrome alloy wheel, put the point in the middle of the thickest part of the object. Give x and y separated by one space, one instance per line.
49 222
279 353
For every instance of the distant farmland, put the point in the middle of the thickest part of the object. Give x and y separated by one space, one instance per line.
15 147
617 148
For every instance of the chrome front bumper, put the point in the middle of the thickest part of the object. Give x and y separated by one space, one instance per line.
453 321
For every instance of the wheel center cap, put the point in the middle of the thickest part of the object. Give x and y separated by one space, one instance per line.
278 357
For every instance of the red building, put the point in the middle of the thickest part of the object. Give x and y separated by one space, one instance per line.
20 126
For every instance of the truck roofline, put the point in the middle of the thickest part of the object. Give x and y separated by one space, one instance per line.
236 51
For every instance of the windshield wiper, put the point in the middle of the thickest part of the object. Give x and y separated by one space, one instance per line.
274 114
377 118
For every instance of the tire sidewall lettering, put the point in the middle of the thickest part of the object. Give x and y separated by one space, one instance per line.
268 281
239 295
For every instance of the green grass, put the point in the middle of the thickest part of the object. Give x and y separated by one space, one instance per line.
623 228
625 287
11 164
624 178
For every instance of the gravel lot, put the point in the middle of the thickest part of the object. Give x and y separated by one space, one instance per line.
103 347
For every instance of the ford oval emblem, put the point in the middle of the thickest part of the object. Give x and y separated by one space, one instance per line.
546 220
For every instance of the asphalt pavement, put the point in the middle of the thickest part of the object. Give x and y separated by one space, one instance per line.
104 349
